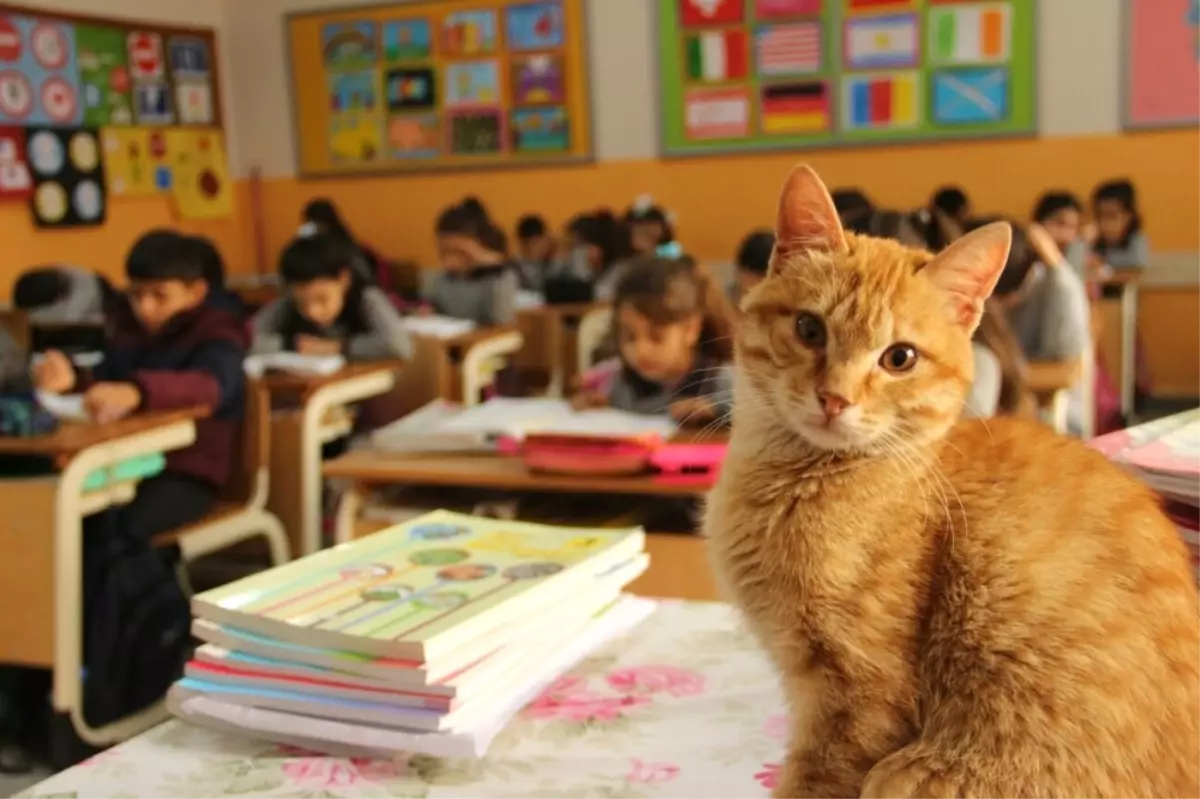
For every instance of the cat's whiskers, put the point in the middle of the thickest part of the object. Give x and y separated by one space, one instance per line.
894 445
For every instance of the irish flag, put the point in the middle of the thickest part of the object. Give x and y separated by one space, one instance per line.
973 33
717 56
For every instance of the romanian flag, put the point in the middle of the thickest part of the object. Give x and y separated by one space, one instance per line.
887 101
717 56
971 33
795 108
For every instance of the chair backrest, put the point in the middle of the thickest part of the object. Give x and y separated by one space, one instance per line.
594 327
252 451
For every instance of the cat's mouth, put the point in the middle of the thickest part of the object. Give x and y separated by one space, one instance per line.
835 435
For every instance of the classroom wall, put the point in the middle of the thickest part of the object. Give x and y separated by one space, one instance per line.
717 200
103 248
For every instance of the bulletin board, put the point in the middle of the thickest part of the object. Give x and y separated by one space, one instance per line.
744 75
1162 63
94 108
419 86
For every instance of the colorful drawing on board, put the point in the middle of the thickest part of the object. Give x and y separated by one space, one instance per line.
976 33
103 75
152 103
882 42
795 108
716 114
471 83
1193 21
467 33
145 56
127 162
476 133
414 136
1162 79
881 102
788 49
349 45
189 57
407 40
538 80
885 5
68 177
540 130
535 26
970 96
16 182
716 56
356 116
410 89
39 74
697 13
194 103
201 187
777 9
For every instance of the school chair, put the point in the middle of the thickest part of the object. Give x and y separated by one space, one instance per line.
241 514
484 360
593 328
455 369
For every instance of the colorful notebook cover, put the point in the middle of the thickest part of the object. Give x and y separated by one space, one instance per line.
420 589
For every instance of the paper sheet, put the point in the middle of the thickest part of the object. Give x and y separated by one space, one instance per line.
67 407
294 362
440 327
521 417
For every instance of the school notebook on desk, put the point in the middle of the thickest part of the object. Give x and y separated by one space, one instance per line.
1164 453
294 363
422 589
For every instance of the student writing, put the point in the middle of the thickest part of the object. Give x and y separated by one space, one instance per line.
328 309
476 281
535 251
673 329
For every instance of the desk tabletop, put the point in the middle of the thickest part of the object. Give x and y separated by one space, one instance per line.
73 438
503 472
1047 377
1122 277
287 381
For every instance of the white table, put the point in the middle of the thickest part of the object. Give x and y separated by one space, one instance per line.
685 706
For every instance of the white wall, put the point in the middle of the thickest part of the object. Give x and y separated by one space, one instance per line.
1078 53
194 13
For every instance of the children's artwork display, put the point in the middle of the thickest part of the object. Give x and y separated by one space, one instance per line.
68 177
86 106
1162 63
443 84
740 75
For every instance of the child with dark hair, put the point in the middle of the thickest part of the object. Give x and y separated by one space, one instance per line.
535 254
328 309
752 261
650 229
214 272
854 208
1061 215
674 334
477 282
63 295
167 350
1119 241
322 216
953 202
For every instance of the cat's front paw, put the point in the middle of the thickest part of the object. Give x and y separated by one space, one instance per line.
914 772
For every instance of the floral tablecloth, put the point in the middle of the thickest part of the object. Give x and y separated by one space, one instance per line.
684 706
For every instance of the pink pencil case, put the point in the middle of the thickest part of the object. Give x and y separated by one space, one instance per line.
680 459
588 455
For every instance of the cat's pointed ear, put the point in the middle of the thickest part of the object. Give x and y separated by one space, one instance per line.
807 220
968 269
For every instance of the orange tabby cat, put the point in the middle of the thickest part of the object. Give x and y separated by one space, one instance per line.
956 608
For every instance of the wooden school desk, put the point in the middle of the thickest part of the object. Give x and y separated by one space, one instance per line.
1119 310
297 435
451 368
551 342
41 571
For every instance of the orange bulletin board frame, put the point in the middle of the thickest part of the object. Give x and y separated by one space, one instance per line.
393 132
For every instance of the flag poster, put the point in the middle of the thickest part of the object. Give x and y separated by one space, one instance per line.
743 75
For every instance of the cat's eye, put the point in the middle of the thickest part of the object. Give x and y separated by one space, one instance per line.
899 358
810 330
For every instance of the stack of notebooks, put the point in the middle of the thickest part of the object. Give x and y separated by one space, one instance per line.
427 637
1166 455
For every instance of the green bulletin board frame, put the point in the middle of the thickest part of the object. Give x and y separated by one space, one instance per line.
922 79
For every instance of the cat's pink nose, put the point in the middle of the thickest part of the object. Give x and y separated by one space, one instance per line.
832 404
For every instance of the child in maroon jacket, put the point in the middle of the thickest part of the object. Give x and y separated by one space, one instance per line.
167 349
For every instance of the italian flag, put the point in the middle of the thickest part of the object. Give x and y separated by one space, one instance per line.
717 56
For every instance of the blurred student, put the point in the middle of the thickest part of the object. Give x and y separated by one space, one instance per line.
476 280
649 228
63 295
535 253
591 255
854 208
322 216
752 261
1061 215
674 332
328 309
168 350
1119 240
219 296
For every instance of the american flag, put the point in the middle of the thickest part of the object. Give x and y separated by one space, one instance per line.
789 49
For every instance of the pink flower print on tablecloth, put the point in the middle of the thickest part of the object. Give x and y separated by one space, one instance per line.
330 772
583 707
640 771
670 680
776 727
769 776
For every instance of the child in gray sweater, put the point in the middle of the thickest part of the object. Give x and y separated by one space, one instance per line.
328 310
477 281
1120 242
673 330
